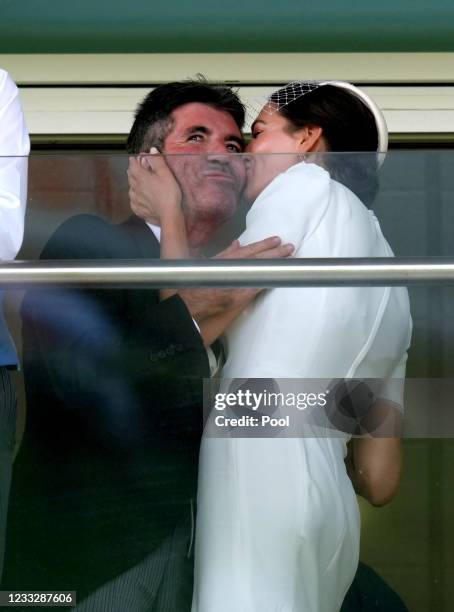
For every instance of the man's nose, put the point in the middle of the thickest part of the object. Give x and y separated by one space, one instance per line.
219 147
218 152
220 157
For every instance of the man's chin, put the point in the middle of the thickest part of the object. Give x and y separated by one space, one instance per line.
224 212
218 204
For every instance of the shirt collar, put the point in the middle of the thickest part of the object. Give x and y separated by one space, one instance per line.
155 229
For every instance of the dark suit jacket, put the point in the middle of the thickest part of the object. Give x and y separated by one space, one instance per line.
370 593
114 398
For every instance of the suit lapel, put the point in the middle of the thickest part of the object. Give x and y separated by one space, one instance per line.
147 245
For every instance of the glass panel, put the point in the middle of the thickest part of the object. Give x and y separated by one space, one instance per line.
110 412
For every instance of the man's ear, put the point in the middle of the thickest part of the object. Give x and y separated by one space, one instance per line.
311 139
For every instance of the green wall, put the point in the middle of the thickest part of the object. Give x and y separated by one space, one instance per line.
147 26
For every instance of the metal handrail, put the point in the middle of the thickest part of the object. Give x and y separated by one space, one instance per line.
226 273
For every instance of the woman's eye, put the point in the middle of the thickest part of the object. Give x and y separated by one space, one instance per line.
255 134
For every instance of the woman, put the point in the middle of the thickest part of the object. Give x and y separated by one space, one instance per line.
278 521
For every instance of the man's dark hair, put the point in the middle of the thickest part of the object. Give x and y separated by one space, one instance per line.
153 118
348 126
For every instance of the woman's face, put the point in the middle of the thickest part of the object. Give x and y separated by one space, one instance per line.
271 133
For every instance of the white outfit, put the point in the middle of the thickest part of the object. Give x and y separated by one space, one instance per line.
13 196
278 521
14 148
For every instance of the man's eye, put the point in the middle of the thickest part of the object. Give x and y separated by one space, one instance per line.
196 137
235 148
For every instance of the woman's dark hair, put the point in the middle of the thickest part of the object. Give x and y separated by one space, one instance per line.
348 126
153 118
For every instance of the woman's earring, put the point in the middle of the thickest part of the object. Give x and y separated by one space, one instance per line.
301 157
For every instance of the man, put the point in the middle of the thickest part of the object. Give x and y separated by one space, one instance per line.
113 381
14 149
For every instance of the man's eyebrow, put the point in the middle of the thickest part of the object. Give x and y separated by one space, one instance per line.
197 128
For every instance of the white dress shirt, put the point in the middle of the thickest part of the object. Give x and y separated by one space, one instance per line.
14 149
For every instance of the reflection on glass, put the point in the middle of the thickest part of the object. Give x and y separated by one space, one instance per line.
105 481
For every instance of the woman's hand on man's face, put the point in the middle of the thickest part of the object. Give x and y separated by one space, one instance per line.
153 190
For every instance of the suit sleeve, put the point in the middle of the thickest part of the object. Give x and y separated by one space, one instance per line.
119 364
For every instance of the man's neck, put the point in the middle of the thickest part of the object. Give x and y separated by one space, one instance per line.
195 252
200 231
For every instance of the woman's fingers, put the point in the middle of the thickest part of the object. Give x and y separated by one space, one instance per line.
136 172
271 247
139 185
226 253
158 165
153 189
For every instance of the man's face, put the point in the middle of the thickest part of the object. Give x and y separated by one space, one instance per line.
211 179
